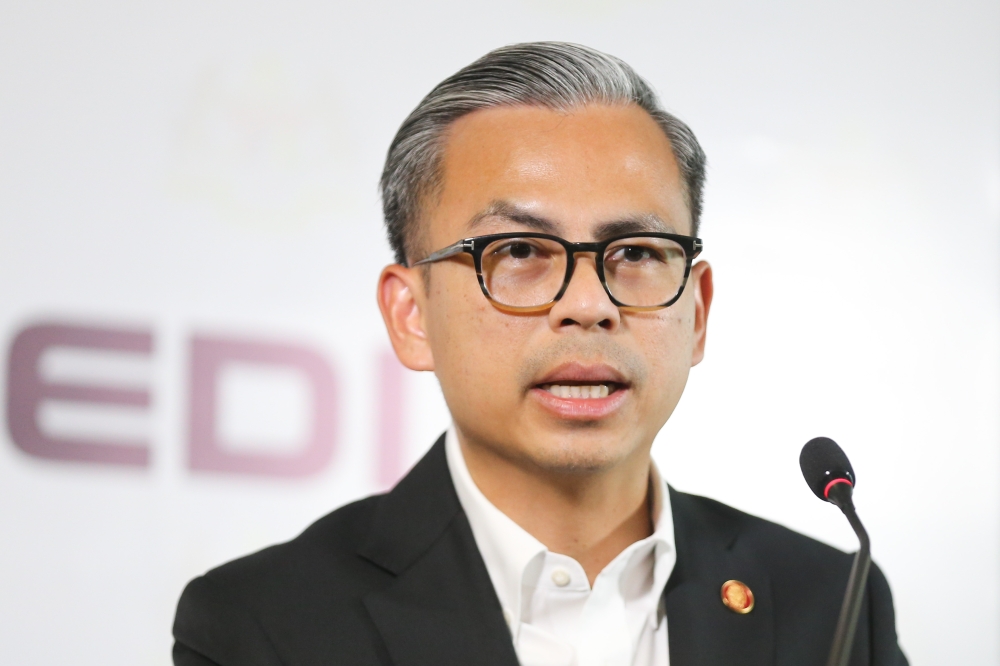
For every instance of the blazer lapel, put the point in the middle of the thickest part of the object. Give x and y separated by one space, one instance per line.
441 608
701 630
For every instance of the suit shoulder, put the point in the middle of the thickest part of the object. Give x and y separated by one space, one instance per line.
324 549
766 537
805 574
244 610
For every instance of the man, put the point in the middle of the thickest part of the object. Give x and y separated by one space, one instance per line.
544 213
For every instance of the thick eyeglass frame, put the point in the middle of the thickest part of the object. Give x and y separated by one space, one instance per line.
477 245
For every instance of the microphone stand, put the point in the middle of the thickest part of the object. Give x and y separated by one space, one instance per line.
843 637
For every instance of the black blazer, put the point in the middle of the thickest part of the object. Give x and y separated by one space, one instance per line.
397 579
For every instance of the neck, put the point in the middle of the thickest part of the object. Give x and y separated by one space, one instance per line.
591 517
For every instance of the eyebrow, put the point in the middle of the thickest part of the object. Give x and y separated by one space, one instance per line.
633 224
514 213
626 225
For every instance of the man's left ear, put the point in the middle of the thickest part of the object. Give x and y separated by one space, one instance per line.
701 281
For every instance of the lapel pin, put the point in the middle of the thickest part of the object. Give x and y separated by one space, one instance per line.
737 597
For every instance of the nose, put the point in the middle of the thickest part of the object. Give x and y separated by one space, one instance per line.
585 303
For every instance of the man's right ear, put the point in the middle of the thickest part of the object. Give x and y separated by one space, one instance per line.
401 298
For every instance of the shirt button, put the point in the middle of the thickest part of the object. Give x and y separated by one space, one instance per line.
560 578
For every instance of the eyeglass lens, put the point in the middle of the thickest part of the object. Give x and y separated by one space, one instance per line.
529 272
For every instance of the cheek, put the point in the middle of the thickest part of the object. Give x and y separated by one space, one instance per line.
666 342
473 343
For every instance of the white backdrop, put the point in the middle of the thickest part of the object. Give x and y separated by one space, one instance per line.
189 216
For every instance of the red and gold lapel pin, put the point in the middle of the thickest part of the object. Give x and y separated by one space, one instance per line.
737 597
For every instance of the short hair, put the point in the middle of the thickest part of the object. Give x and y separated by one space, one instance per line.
555 75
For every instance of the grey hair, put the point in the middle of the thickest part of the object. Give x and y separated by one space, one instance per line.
554 75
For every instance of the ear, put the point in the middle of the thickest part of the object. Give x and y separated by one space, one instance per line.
701 280
401 299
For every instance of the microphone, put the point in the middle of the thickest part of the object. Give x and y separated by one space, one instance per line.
831 477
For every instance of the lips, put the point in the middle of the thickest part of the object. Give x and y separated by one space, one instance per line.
579 381
577 391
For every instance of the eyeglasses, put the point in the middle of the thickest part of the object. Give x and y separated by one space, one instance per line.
529 272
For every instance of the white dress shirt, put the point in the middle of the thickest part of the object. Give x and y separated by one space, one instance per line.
555 617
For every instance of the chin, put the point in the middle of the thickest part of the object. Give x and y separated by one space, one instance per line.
577 453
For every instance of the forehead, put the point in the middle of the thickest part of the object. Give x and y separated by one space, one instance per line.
578 168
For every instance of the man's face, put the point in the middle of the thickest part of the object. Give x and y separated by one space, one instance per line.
583 175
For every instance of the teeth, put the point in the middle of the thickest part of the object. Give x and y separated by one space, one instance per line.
576 391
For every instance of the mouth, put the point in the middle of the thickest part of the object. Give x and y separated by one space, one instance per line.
587 392
581 391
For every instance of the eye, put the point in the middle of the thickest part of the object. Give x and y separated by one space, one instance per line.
636 253
519 250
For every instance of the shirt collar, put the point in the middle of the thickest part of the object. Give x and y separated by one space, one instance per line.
507 549
509 552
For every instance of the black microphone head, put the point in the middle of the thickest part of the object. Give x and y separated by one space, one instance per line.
822 463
